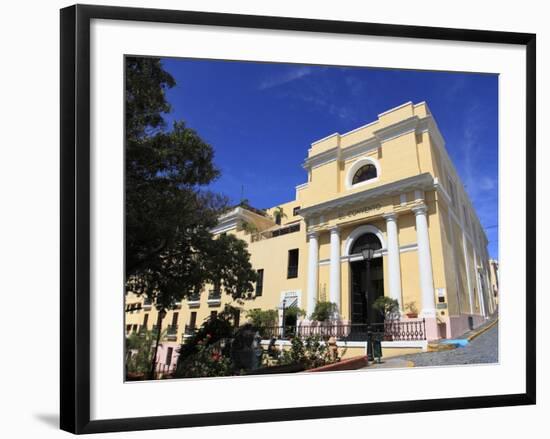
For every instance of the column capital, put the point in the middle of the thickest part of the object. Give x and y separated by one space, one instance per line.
334 229
390 216
312 234
421 209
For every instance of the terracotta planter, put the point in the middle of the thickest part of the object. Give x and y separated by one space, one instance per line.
412 315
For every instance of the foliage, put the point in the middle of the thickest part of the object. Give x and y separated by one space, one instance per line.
170 252
411 307
386 306
294 312
213 331
249 227
310 351
208 361
324 311
245 204
278 214
139 351
260 318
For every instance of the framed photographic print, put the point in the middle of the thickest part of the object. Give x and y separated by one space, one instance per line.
274 218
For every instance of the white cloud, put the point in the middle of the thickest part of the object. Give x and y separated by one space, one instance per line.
289 76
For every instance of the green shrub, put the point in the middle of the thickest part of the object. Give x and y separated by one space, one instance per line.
310 351
207 361
140 348
324 311
260 318
213 330
386 306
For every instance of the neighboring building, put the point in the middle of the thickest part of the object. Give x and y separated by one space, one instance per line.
388 184
493 273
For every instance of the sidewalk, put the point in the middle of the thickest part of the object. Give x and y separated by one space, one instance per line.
441 351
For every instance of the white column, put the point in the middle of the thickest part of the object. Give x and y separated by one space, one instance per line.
335 266
425 262
312 272
394 264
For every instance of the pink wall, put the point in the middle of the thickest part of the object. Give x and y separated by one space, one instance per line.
161 356
458 325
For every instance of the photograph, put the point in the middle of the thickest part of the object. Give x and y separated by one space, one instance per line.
295 218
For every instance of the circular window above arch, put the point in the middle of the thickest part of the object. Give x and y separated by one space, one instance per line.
364 171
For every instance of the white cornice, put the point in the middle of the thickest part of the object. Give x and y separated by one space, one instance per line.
422 181
325 138
398 129
395 108
230 220
411 124
360 148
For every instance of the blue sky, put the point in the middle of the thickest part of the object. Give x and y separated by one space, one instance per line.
262 117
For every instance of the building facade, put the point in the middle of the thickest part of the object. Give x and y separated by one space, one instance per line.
390 185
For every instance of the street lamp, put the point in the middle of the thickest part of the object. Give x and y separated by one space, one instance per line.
368 255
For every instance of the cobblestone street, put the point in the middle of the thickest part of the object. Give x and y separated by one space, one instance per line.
482 349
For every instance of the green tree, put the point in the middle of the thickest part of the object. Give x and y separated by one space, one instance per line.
279 214
170 252
260 318
139 352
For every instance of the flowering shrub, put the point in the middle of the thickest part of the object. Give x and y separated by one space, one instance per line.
310 351
208 361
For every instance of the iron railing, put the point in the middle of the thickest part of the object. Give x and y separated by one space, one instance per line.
172 331
410 330
189 330
165 369
214 296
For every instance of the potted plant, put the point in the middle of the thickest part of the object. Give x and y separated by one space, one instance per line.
411 310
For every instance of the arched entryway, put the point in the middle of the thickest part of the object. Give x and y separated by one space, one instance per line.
367 279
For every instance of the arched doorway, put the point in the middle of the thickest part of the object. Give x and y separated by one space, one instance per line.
367 283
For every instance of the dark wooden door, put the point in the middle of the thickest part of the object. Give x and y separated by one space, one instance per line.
361 303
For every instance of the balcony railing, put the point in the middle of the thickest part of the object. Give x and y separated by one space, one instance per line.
411 330
268 234
172 332
214 297
194 300
189 330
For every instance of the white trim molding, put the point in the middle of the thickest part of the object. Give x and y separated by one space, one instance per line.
230 220
358 164
359 231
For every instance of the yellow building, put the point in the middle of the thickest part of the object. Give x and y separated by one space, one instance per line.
389 184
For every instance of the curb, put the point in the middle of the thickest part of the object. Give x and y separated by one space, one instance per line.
477 334
436 347
353 363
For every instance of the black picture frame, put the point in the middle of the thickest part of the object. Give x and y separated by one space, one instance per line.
75 217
